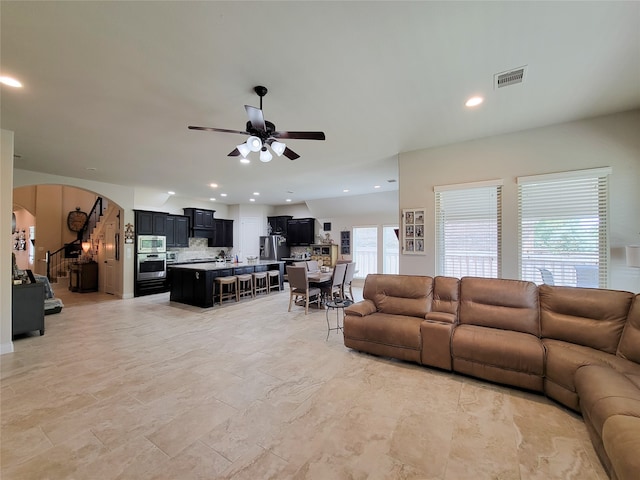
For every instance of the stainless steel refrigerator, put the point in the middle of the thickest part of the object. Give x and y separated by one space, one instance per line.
273 247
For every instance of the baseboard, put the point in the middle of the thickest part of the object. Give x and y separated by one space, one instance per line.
6 348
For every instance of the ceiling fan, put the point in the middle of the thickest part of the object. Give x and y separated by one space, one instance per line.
263 133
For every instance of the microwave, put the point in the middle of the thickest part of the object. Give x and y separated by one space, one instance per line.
152 244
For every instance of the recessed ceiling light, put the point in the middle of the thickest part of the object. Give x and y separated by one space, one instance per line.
252 199
345 190
288 200
256 193
170 192
223 194
213 185
212 199
245 160
474 101
11 82
376 186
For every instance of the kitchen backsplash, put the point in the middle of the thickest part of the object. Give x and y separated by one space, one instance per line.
198 248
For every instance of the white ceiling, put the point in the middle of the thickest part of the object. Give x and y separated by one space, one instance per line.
112 86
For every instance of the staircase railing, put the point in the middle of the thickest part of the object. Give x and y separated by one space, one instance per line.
57 262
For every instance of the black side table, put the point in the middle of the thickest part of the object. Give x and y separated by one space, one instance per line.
338 306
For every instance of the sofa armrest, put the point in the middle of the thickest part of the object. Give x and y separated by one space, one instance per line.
442 317
361 309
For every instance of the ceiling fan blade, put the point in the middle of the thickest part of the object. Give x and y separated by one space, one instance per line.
300 135
256 117
223 130
290 154
234 153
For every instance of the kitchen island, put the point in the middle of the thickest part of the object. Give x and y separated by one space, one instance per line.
194 283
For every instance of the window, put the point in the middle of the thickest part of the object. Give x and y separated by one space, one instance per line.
468 229
563 233
365 250
390 249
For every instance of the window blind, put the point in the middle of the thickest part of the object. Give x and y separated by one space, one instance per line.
469 230
563 228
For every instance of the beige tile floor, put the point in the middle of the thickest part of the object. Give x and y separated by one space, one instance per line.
147 389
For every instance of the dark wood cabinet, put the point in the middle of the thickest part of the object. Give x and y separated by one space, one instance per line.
177 231
223 233
27 308
83 277
200 218
279 224
301 231
150 223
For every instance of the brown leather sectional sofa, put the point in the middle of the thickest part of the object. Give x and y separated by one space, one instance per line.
578 346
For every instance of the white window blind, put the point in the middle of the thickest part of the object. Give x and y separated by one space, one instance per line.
563 231
469 230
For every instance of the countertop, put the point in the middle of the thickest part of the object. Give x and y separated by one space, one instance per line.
222 266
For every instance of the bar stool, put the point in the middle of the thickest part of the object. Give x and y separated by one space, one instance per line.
273 274
245 285
232 288
260 283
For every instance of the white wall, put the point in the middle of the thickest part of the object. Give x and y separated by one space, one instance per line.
6 204
612 140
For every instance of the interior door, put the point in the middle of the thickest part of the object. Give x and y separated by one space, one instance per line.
110 258
250 231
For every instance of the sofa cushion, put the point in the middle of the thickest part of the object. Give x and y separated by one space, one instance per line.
446 295
520 352
499 303
399 294
604 392
563 359
384 328
629 346
622 444
584 316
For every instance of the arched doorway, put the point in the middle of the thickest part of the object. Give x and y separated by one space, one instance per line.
44 210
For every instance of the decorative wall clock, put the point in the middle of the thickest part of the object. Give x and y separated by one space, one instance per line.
76 220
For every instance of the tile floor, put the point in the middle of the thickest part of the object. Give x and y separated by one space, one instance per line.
147 389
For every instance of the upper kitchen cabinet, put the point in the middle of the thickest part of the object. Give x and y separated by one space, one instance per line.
150 223
200 218
223 233
279 224
202 224
301 231
177 231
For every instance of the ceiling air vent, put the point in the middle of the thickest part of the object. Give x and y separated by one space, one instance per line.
508 78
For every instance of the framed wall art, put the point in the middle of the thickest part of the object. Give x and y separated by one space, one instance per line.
413 231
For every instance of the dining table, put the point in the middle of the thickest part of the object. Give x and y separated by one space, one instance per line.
319 277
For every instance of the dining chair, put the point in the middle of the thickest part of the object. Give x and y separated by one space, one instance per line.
335 286
348 278
547 276
299 288
587 276
313 266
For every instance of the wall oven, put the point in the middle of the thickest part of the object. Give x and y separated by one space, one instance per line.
152 244
151 266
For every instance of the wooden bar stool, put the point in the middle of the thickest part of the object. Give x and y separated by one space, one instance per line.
232 288
273 274
260 283
245 285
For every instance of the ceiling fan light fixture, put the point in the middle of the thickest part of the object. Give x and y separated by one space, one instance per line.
278 147
254 143
265 155
244 149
